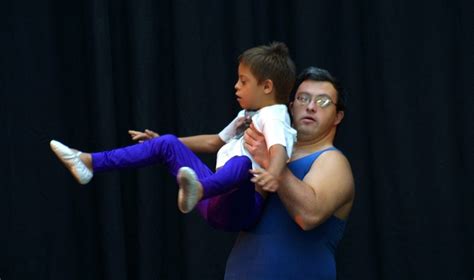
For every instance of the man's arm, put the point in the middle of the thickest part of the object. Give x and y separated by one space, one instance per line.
326 188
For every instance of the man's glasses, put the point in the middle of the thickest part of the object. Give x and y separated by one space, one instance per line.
322 100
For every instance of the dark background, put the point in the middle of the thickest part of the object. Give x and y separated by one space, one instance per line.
84 72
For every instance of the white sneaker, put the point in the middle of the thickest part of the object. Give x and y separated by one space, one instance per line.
71 160
189 189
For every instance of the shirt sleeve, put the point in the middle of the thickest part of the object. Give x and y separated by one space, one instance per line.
275 126
275 132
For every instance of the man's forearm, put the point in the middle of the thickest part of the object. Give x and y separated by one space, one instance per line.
299 199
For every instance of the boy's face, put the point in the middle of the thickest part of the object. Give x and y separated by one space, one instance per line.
249 93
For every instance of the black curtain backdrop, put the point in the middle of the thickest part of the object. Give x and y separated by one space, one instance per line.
84 72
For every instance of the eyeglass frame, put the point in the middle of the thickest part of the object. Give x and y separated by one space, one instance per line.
314 99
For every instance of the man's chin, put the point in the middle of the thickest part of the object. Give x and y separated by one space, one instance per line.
306 129
306 124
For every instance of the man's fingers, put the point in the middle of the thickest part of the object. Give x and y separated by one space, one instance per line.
248 147
254 130
249 136
251 133
256 171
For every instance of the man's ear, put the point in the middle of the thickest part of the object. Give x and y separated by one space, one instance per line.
267 86
339 117
290 106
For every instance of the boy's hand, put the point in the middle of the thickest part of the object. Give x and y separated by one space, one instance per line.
142 136
265 180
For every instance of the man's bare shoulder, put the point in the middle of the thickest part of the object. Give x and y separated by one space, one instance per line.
334 168
333 158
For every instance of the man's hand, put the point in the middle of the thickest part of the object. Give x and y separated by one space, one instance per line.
254 142
265 180
142 136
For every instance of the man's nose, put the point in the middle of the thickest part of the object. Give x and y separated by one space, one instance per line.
312 106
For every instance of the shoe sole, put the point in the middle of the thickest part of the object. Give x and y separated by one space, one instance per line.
188 189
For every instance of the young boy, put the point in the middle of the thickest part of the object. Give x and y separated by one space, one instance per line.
266 77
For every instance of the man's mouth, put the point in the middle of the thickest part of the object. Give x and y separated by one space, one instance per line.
308 119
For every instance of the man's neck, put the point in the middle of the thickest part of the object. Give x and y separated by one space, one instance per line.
304 147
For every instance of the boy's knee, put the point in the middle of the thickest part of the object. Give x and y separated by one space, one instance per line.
243 161
167 138
163 142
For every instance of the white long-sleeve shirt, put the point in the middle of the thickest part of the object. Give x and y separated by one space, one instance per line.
272 121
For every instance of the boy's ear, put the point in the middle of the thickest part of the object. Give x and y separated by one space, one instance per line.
267 86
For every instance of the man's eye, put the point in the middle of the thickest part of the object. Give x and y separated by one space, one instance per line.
323 101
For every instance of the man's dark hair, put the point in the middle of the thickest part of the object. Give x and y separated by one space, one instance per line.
272 62
321 75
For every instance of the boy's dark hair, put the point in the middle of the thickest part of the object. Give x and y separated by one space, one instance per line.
272 62
321 75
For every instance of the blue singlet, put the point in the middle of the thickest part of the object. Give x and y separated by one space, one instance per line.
277 248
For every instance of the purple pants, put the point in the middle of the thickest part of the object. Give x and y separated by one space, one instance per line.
230 201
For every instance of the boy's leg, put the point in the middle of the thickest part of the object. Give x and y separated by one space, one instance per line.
193 189
166 150
221 211
232 202
235 172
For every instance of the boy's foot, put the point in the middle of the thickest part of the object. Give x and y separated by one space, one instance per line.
70 158
190 189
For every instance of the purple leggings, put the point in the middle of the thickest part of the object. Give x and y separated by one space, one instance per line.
230 201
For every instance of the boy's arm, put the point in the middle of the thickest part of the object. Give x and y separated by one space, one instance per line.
206 143
199 144
269 179
278 159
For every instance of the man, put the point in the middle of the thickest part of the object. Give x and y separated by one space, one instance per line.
304 218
